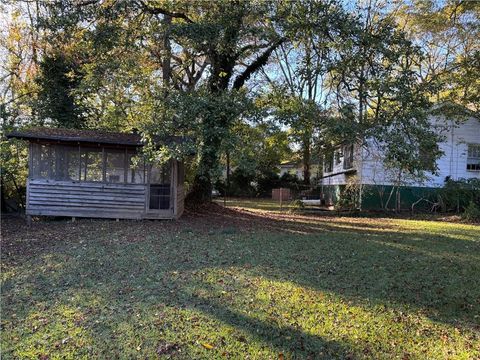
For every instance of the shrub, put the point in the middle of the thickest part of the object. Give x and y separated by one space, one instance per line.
472 213
349 196
456 195
296 206
266 181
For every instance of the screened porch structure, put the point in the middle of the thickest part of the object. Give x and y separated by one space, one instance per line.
86 173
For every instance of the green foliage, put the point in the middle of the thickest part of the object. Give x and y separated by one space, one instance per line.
449 32
266 181
472 212
378 85
57 81
349 196
457 195
333 74
296 206
13 173
241 183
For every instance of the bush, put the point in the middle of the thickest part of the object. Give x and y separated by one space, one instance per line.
240 184
267 181
472 213
457 195
296 206
349 196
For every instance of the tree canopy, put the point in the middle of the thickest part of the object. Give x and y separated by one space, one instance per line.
321 73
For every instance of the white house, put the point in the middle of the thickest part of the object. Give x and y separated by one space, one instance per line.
295 168
364 164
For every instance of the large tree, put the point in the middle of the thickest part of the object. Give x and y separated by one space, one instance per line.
378 87
448 32
199 56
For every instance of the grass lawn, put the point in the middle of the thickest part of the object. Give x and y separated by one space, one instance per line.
235 283
256 204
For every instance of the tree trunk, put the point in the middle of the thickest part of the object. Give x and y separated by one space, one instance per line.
209 156
167 48
228 171
4 203
212 138
306 161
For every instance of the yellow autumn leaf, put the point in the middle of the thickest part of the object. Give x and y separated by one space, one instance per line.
208 346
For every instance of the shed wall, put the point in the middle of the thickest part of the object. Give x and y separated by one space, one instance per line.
126 201
180 201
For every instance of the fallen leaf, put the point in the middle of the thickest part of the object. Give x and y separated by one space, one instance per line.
167 348
208 346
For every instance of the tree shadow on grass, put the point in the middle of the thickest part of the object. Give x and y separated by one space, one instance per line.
359 261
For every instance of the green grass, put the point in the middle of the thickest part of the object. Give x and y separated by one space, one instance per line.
232 284
256 204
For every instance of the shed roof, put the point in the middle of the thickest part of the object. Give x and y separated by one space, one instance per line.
87 136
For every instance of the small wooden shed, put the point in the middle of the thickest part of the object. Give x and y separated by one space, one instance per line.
90 173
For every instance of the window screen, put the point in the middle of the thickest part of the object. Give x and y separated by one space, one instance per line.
473 157
114 166
328 163
67 163
136 168
91 164
43 161
160 175
160 197
160 187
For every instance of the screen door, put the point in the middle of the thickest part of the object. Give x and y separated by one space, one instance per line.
160 187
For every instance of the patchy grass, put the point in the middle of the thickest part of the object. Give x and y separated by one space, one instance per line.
232 283
256 204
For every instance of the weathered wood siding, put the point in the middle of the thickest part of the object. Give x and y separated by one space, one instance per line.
180 201
83 199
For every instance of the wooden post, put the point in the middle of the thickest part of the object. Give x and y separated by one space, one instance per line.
29 220
73 219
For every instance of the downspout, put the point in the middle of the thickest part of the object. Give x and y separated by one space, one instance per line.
360 172
451 151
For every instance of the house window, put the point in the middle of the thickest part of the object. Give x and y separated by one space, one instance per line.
348 157
338 157
114 165
473 157
328 163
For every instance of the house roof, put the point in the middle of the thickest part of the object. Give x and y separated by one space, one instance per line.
87 136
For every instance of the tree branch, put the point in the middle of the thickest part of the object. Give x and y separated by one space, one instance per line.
256 64
159 10
85 2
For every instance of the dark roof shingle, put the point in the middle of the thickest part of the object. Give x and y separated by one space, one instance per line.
85 136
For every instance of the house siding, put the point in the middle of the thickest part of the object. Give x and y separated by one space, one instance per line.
453 162
378 180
